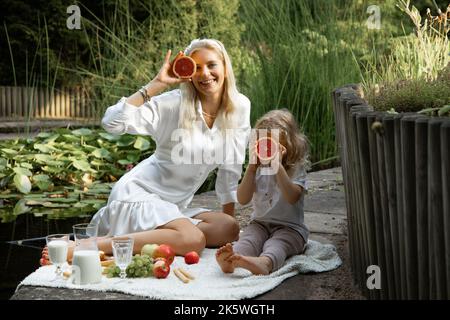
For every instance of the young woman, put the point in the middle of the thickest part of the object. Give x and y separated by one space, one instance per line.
150 202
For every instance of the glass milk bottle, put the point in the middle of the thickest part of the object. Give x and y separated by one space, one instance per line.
86 266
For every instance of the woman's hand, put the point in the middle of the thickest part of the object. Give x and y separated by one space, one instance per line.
165 75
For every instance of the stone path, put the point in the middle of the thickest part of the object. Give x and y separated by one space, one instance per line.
325 215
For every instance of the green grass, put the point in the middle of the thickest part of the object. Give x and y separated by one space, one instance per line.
302 50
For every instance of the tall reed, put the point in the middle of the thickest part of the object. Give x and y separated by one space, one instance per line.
302 51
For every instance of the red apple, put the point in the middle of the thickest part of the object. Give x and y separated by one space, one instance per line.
191 257
164 251
160 268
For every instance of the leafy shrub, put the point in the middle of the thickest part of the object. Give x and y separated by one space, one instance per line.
413 95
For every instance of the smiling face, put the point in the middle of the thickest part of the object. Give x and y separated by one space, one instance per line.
210 74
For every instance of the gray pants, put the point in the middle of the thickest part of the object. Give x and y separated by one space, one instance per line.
274 241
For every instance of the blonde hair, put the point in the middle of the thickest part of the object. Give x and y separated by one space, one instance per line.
290 137
189 93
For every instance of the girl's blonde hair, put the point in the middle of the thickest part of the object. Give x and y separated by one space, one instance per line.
290 137
230 93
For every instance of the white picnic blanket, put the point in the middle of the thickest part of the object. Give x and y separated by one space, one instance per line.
210 282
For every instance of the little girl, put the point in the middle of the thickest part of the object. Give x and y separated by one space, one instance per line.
276 230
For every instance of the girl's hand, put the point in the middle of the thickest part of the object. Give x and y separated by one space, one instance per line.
254 160
279 157
165 75
283 151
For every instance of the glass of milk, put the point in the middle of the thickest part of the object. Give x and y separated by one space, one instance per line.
58 245
86 266
123 252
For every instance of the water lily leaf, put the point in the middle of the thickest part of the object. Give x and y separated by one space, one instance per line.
125 141
71 138
141 144
26 165
125 161
43 158
41 177
89 148
3 163
81 165
52 169
108 136
51 138
9 151
45 148
444 110
81 204
22 183
49 204
24 171
133 157
97 162
42 181
10 196
21 207
44 134
101 153
82 132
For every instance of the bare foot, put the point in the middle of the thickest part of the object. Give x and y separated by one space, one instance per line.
222 256
256 265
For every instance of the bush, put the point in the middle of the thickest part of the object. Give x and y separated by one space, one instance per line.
414 95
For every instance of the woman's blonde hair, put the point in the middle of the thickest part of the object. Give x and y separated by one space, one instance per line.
230 93
290 137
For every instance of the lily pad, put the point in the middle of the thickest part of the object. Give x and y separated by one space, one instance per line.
22 183
141 144
81 165
20 207
23 171
82 132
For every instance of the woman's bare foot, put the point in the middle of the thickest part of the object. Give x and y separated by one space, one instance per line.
256 265
222 256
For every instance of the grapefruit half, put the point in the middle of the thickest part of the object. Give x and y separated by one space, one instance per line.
266 149
184 67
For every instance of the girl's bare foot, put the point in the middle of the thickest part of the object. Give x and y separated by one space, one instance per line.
222 256
256 265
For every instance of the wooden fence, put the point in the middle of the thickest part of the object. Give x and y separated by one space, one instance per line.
22 103
396 171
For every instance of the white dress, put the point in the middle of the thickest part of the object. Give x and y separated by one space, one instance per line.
160 188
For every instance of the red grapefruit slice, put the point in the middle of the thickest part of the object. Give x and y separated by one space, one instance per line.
266 149
184 67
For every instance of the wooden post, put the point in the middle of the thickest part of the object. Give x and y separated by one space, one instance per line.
391 187
345 118
436 206
445 162
358 208
421 140
399 192
409 205
377 213
364 159
383 192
